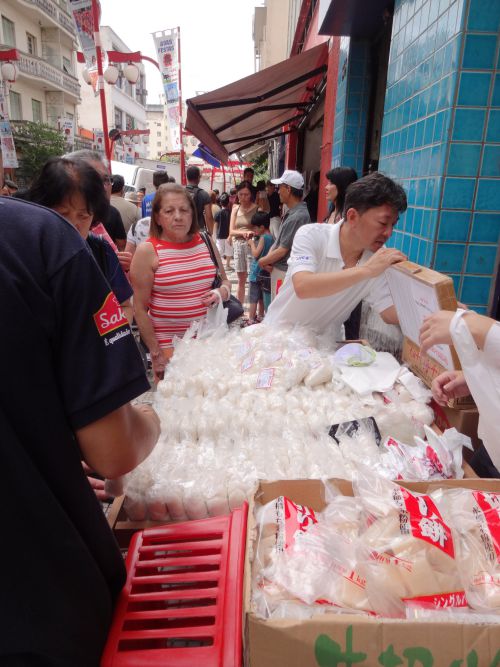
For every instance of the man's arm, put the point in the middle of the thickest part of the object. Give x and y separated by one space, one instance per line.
390 315
309 285
273 256
119 441
209 218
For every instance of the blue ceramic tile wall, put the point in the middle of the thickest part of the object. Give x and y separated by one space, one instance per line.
441 137
351 105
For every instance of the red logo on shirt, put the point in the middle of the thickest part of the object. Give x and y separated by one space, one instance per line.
109 316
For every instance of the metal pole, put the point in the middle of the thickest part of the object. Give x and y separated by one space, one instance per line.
100 80
181 128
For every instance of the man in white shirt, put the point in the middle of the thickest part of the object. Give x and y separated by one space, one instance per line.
333 267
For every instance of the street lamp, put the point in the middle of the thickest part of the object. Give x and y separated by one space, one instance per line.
8 69
110 75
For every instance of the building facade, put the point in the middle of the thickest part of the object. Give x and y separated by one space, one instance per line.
46 88
413 89
159 138
125 103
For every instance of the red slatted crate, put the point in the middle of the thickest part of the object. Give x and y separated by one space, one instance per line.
181 605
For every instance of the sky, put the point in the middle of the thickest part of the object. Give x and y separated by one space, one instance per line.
216 38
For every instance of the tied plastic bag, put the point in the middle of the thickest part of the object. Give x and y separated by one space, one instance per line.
406 549
483 382
214 321
475 519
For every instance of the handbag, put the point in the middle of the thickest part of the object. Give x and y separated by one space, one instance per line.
233 305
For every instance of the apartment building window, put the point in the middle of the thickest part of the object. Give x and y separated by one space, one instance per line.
31 44
8 32
158 144
118 118
129 122
158 134
16 111
67 65
36 108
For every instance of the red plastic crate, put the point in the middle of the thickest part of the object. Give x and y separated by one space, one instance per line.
181 605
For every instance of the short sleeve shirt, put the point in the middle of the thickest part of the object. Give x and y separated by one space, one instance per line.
114 225
69 359
139 232
292 221
316 248
147 204
201 199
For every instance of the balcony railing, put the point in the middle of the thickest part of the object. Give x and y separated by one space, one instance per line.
56 13
42 70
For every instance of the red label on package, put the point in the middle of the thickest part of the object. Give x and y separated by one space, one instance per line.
421 517
439 601
293 521
434 460
489 504
109 316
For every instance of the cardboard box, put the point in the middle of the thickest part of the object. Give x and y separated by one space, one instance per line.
465 420
330 640
418 292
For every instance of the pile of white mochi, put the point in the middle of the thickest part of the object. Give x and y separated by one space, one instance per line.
253 404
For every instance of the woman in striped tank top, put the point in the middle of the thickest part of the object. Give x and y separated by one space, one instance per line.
172 275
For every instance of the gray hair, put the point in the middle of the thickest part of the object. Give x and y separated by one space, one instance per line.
87 156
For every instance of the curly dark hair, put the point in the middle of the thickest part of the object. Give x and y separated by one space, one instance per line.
375 190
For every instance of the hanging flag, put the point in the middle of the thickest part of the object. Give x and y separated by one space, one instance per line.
9 157
68 129
84 25
167 48
205 154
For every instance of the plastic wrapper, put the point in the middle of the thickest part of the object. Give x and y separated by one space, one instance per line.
475 518
251 404
406 549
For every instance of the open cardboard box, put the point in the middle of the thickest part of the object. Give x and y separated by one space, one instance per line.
418 292
329 640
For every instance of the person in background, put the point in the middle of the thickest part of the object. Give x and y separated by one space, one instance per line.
338 180
274 208
70 355
333 267
248 175
137 234
260 285
215 205
233 198
159 177
126 208
9 188
311 199
240 229
74 189
261 198
141 193
111 228
290 192
172 275
455 384
221 230
202 201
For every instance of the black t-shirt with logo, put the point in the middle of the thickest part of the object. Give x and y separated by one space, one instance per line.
201 199
69 359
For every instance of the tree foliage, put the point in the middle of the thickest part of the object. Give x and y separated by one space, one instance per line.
35 144
261 168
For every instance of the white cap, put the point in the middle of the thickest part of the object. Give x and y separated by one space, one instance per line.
291 178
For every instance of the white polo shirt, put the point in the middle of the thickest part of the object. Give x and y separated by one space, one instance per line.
316 248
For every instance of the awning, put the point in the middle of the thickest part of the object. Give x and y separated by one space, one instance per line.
257 107
356 18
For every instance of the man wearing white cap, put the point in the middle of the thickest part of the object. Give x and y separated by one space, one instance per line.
290 190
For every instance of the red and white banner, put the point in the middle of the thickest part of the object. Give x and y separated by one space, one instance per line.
167 48
84 24
9 157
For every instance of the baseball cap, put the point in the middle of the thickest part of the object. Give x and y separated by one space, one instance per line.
291 178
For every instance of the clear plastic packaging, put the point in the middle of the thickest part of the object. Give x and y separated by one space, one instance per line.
406 549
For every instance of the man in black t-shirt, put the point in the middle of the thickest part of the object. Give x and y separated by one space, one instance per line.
221 229
70 366
202 201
